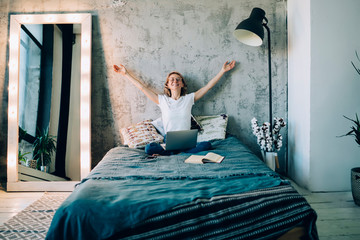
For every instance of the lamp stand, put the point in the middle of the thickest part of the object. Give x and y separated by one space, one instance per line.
270 86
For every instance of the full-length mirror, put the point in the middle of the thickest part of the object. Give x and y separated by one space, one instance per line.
49 101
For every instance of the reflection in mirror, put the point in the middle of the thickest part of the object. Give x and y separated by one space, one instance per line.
49 73
49 101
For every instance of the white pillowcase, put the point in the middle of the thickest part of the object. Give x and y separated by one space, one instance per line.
158 124
214 127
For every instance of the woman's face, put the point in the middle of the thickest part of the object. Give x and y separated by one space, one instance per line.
175 82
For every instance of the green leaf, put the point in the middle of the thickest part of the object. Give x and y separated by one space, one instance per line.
355 130
44 146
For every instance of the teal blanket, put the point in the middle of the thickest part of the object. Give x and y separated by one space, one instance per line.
126 188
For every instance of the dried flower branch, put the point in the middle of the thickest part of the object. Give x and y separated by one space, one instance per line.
267 141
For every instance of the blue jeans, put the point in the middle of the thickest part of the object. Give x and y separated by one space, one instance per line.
156 148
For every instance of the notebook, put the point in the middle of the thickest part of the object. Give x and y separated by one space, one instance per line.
180 140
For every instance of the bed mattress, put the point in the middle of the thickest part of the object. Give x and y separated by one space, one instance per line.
128 195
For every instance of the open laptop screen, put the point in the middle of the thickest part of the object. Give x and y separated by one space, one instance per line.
181 140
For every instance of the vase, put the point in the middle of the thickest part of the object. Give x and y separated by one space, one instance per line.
270 159
355 185
44 169
31 163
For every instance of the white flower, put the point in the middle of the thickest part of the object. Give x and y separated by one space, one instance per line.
268 140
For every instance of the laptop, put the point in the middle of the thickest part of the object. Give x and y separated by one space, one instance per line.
180 140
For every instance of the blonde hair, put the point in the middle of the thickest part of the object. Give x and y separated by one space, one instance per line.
166 88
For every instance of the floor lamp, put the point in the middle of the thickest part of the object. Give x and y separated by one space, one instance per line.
251 32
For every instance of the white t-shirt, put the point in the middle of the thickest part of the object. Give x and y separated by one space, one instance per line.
176 114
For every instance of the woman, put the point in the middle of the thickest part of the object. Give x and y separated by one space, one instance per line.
175 104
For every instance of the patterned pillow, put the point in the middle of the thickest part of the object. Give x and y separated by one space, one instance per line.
140 134
213 127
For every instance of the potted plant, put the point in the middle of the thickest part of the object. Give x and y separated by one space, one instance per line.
43 148
355 172
355 131
22 158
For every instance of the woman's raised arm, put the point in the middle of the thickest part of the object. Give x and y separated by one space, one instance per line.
147 91
202 91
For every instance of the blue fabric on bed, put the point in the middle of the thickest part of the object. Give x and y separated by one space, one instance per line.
126 188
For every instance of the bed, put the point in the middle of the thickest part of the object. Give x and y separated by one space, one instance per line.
130 196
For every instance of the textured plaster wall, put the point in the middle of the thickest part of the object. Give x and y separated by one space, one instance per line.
152 38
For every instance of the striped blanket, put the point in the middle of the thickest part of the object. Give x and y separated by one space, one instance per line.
260 214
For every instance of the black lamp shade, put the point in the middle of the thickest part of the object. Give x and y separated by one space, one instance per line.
251 31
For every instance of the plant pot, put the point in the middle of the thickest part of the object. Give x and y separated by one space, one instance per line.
355 185
31 163
44 169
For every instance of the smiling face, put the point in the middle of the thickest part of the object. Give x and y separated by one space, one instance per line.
175 82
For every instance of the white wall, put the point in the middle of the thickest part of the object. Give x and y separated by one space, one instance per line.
299 90
323 86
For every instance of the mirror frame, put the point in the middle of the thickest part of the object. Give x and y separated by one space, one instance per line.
13 183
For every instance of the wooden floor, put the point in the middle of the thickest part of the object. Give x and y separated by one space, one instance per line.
338 216
13 203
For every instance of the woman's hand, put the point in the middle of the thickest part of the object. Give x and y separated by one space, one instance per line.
120 69
147 91
202 91
228 66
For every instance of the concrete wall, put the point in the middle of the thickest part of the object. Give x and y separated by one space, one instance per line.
154 37
323 86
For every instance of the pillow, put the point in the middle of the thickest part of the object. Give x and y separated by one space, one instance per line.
214 127
195 124
140 134
158 124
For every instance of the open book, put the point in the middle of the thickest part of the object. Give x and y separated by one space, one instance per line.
208 158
